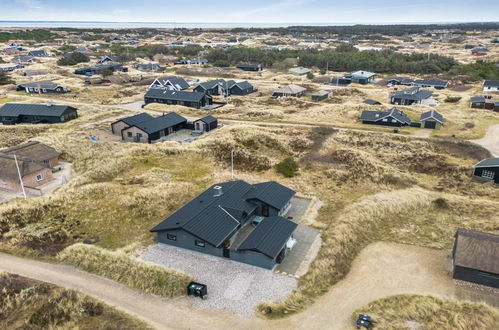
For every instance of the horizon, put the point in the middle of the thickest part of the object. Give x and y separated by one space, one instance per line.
255 12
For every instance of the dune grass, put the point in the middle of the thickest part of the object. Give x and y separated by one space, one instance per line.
30 304
127 270
428 312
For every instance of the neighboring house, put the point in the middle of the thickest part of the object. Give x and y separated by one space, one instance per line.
153 129
35 161
234 220
392 117
371 102
23 59
478 102
173 83
431 119
35 151
475 257
99 69
31 73
33 174
289 91
37 53
42 87
240 88
360 77
121 124
195 61
399 81
212 87
189 99
491 86
249 67
412 96
10 67
16 113
147 66
205 124
319 96
487 169
107 59
479 51
434 83
299 71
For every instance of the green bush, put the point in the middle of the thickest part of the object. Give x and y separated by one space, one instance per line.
130 271
288 167
452 99
73 59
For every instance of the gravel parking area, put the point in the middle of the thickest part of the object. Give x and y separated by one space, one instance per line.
298 207
232 286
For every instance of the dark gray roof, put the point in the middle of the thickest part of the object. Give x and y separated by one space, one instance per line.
243 85
178 82
371 102
476 250
32 150
214 218
211 84
269 236
130 121
16 109
432 82
477 99
160 123
380 115
432 114
174 95
272 193
414 93
491 83
208 119
490 162
40 52
41 84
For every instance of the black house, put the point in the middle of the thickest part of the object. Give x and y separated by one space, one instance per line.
153 129
487 169
212 87
475 257
414 95
205 124
42 87
188 99
240 88
249 67
13 113
392 117
99 69
234 220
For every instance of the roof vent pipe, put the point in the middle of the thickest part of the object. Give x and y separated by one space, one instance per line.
217 191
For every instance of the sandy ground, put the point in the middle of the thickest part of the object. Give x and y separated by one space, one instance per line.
491 140
381 269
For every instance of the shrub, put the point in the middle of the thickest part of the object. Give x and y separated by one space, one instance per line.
288 167
73 59
127 270
452 99
310 75
441 203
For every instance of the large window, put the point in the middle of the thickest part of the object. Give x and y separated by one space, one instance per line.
199 243
171 237
488 174
129 134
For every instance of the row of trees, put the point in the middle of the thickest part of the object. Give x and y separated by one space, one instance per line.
73 59
345 58
38 35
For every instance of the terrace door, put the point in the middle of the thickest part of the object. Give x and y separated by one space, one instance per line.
226 249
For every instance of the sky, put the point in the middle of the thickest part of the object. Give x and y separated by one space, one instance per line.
258 11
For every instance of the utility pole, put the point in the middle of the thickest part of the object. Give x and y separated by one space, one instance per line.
327 67
20 177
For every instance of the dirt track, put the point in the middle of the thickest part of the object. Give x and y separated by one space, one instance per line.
380 270
491 140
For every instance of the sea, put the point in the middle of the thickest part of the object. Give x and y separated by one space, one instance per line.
166 25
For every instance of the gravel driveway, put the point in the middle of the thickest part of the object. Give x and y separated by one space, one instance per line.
232 286
490 141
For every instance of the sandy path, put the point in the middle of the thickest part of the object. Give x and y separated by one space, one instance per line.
380 270
491 140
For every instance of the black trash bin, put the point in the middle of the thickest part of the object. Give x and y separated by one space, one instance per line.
197 290
364 321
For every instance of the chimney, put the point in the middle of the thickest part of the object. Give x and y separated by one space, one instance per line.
217 191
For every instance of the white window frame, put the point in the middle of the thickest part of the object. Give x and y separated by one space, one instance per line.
199 243
488 174
39 177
